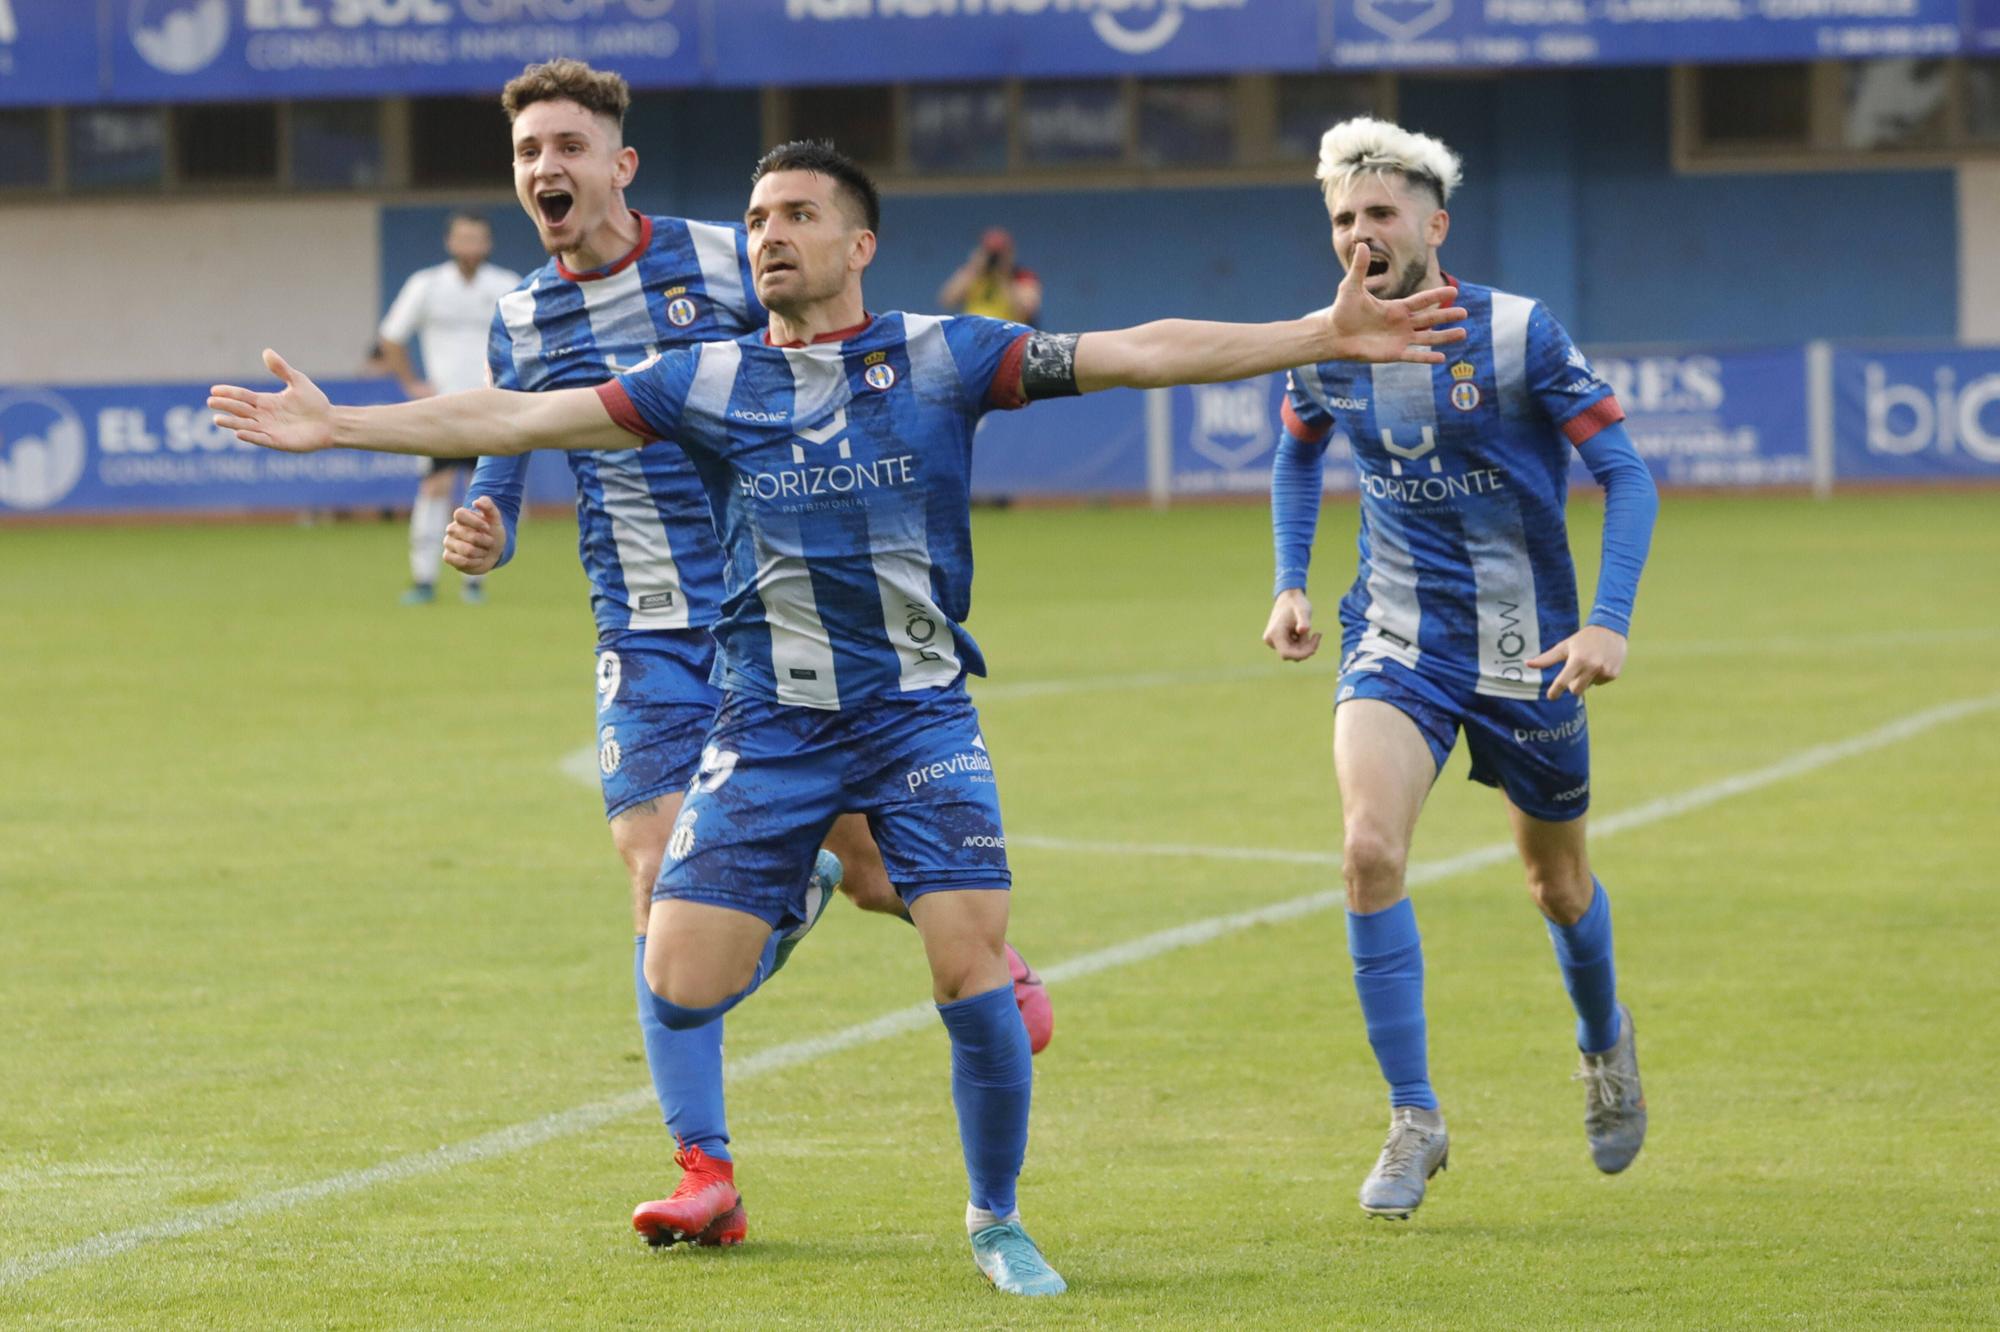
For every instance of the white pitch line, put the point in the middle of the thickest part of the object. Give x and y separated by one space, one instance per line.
584 1118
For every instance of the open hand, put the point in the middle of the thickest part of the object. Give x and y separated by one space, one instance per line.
298 420
1364 327
1592 655
1289 631
476 537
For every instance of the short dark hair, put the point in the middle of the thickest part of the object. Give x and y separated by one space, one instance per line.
822 158
595 90
459 215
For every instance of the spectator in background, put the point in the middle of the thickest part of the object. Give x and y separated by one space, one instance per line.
449 306
990 283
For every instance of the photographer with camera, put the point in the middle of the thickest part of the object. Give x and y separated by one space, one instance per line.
990 283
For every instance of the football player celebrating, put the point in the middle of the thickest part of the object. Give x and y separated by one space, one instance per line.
835 447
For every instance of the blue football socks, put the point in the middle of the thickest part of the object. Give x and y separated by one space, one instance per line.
1389 977
992 1076
1583 950
687 1071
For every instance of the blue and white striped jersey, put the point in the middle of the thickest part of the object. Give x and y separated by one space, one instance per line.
643 526
840 475
1464 468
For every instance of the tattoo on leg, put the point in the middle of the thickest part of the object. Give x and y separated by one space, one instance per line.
643 807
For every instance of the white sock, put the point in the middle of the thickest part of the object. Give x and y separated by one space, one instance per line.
978 1218
428 519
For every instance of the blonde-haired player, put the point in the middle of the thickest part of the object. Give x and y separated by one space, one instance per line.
1464 617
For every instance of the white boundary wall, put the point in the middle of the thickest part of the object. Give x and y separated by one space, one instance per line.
117 291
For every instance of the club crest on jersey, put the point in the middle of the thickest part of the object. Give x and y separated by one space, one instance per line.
681 844
609 755
881 376
1464 393
681 312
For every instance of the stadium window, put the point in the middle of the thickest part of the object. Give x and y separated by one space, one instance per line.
1311 104
1187 122
957 129
1074 124
1754 106
336 145
25 159
1892 104
1982 100
117 147
458 141
226 144
861 121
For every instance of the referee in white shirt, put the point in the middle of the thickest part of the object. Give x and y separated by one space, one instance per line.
449 307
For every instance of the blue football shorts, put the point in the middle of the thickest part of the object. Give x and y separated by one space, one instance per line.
773 778
654 706
1535 750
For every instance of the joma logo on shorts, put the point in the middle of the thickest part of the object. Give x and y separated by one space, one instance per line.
997 843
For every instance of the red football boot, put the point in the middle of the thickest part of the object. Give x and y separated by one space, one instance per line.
1032 998
732 1227
704 1209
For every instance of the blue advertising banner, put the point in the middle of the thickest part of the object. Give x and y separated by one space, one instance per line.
1725 418
1371 34
1094 445
863 41
1224 436
152 448
207 50
1916 415
48 53
1982 31
1698 419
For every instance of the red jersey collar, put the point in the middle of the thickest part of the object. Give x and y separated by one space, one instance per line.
838 335
645 239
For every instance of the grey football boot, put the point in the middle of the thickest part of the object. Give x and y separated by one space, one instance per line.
1417 1149
1614 1108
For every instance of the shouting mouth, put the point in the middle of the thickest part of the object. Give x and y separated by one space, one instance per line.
554 206
1378 264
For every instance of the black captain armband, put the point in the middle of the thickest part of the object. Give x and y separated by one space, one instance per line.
1048 369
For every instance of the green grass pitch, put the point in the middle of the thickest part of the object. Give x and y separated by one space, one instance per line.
292 885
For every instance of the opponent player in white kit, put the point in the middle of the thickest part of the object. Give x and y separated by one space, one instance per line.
446 309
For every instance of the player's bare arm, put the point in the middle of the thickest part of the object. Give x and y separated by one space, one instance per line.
476 537
1289 631
1592 655
1358 326
457 425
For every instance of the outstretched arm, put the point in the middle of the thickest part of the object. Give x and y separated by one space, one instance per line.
456 425
1356 327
